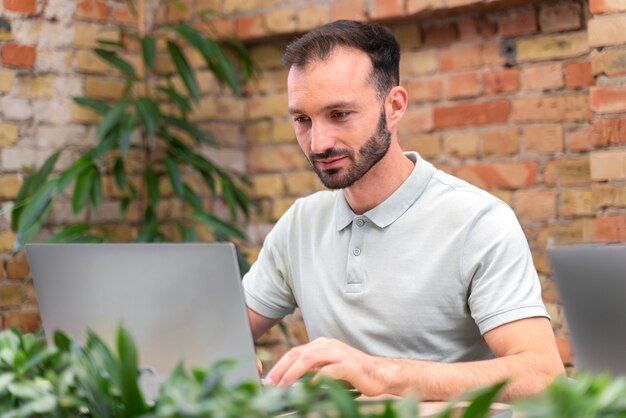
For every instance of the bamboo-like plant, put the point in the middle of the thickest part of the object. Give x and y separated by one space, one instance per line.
156 110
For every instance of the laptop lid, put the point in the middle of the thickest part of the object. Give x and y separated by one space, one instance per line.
180 302
591 281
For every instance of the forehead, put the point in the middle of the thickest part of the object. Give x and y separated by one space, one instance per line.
345 74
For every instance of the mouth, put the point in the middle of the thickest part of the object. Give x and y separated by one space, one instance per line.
329 163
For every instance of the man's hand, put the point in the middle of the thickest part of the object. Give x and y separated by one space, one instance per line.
331 358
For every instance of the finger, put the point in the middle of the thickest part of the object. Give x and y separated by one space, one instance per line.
294 364
259 365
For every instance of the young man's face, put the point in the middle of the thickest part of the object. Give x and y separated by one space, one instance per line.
339 120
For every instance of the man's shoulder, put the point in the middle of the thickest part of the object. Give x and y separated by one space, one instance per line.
453 188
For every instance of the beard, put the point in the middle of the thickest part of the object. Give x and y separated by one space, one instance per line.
374 149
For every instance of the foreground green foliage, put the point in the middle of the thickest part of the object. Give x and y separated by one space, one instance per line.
147 142
71 380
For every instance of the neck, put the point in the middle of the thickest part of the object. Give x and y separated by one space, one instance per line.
380 181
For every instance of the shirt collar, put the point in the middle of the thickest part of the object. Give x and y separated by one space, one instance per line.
395 205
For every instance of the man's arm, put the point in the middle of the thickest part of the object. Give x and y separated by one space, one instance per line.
260 324
525 351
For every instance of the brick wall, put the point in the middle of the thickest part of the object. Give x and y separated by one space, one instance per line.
524 99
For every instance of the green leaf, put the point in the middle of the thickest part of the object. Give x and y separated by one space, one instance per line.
482 401
111 119
192 129
134 404
82 191
247 64
96 188
217 224
115 60
28 233
149 114
97 106
120 174
124 204
180 101
126 131
174 175
112 44
148 49
184 70
213 55
75 170
152 185
37 205
192 199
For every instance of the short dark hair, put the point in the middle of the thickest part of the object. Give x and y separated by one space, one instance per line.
375 40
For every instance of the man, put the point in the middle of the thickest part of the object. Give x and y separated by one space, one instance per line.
408 279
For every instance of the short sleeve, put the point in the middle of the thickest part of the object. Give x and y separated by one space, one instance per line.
267 286
503 282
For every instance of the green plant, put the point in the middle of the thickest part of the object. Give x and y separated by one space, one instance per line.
90 380
154 109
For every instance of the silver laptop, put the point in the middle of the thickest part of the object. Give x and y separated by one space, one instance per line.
591 280
180 302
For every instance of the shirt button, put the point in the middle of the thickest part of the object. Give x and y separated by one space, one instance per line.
356 251
360 222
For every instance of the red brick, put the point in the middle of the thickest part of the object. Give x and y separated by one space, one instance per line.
28 7
462 85
535 205
543 77
578 75
501 81
570 171
485 113
608 99
606 132
22 56
461 56
543 139
551 108
26 321
17 268
490 54
419 119
610 229
471 28
607 6
387 8
424 89
580 140
501 142
608 165
560 17
249 27
500 175
607 30
418 6
92 10
349 9
518 22
120 13
440 34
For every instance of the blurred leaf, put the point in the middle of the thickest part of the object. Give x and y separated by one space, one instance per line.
115 60
83 189
482 400
192 129
120 174
134 404
180 101
217 224
96 188
174 175
37 205
69 233
184 70
111 118
192 198
247 64
110 44
127 126
74 171
152 185
96 105
149 114
148 49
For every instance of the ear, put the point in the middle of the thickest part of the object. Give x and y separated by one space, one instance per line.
395 105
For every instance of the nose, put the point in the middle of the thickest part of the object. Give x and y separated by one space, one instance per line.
321 138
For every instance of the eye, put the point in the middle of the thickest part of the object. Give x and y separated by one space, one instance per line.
301 119
340 115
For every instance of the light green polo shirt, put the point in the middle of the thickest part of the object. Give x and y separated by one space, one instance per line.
423 275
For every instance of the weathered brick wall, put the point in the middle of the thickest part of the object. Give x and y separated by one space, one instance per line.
525 99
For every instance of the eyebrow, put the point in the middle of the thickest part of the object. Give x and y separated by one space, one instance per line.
330 106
